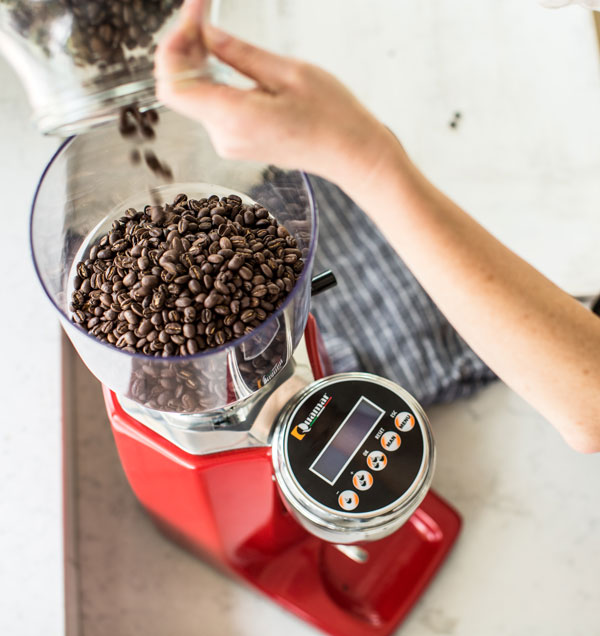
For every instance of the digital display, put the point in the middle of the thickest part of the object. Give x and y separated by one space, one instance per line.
348 438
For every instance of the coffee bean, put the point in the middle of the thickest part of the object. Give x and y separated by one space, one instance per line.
79 316
134 156
221 287
225 243
169 256
170 268
195 272
220 337
145 327
238 328
189 330
192 346
245 272
137 309
213 299
150 281
189 314
158 300
194 285
210 329
260 291
221 310
247 315
215 259
235 262
131 317
176 243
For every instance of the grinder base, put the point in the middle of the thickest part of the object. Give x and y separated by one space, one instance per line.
322 586
225 506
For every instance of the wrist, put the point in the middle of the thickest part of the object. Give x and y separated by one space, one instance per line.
371 163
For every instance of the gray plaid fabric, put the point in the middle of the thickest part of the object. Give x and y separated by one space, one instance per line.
378 318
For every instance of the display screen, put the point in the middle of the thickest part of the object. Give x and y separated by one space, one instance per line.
348 438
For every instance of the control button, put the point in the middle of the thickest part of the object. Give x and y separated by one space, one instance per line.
348 500
390 441
405 421
376 460
362 480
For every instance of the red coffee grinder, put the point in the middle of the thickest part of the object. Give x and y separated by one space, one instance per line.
311 487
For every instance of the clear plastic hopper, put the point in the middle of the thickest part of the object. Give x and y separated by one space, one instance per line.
90 182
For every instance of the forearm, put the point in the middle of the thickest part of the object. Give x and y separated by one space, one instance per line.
532 334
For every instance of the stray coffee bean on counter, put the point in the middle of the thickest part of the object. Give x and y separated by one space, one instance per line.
176 279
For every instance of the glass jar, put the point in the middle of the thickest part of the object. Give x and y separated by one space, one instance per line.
80 60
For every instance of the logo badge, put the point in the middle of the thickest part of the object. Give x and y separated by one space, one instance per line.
300 430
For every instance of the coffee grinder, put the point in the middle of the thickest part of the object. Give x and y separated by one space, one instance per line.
309 486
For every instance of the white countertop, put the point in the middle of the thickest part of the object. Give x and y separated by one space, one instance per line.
525 161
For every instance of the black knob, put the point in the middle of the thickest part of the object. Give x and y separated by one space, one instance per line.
322 281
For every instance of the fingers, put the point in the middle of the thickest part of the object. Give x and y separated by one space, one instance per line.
195 10
201 99
183 49
269 70
171 58
227 112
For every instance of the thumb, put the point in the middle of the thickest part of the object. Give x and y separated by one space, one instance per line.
195 11
267 69
182 49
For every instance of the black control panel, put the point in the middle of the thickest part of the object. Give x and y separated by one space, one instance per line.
354 446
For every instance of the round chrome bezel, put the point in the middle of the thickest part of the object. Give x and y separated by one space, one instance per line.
339 526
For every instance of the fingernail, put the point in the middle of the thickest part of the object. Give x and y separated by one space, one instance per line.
215 37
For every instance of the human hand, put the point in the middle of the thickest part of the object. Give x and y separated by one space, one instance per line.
296 116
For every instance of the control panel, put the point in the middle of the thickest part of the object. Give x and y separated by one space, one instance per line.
354 445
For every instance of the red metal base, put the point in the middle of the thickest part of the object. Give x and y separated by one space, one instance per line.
225 506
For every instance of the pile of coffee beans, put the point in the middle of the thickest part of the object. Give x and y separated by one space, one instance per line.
176 279
194 386
101 33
